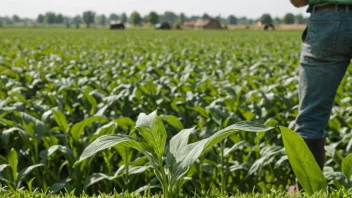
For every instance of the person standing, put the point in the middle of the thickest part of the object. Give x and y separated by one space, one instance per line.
325 56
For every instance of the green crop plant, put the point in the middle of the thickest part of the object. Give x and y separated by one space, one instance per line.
61 89
9 174
169 165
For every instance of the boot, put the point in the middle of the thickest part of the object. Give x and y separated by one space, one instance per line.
316 146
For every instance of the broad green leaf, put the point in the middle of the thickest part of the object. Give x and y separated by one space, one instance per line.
179 141
5 135
108 141
101 111
5 179
24 172
267 156
337 178
303 163
39 127
186 157
77 129
125 154
67 152
13 162
96 177
238 145
153 131
347 167
30 184
240 126
61 120
92 102
106 129
201 111
56 187
125 122
3 166
190 153
7 122
173 120
146 188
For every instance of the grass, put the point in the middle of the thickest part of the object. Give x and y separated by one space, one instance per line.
4 193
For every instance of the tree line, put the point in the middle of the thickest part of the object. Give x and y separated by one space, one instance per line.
136 19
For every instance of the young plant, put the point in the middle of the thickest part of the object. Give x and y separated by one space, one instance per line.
12 178
341 180
170 165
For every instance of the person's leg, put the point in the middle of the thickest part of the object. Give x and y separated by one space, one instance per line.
318 84
317 89
324 61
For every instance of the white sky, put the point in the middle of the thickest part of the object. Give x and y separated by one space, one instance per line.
248 8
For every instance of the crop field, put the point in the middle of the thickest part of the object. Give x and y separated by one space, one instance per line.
62 89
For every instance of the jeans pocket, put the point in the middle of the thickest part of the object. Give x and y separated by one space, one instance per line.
321 37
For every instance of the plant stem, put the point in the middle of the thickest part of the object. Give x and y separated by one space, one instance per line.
223 182
126 174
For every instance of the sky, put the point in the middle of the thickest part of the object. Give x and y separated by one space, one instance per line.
248 8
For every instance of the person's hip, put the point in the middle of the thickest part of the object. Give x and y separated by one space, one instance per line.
328 35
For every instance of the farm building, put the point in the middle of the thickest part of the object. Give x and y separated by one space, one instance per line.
201 24
163 26
117 25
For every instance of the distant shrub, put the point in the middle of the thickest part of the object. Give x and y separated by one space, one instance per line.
177 26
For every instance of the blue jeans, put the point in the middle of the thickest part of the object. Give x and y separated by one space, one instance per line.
326 54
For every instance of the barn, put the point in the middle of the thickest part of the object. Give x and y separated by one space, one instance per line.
202 24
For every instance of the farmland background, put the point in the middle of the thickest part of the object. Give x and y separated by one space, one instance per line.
207 79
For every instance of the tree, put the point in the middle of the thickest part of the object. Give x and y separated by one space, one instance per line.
7 20
16 19
67 22
145 19
123 17
88 17
153 18
113 17
101 20
135 18
219 19
289 18
232 20
251 21
299 19
50 18
193 18
206 16
169 17
59 19
40 19
77 20
181 18
277 20
266 19
242 20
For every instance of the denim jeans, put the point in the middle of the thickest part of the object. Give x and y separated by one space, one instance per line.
326 54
